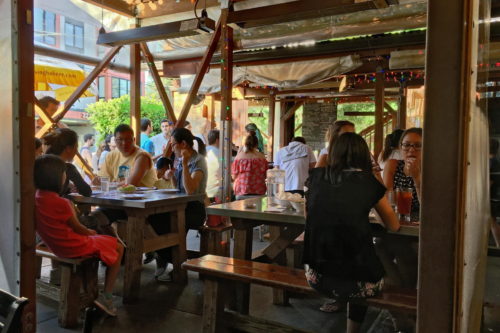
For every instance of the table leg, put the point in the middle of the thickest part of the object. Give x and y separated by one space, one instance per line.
280 296
179 252
243 234
134 238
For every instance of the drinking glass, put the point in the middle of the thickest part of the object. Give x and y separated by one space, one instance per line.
104 184
392 200
403 203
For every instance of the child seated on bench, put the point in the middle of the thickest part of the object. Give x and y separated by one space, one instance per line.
338 247
59 227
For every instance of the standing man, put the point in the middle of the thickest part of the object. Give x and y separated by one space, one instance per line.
88 142
213 165
296 159
160 141
50 105
146 129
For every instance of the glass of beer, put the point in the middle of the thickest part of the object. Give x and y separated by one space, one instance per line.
403 202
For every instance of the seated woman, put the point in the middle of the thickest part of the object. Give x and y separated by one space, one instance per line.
59 227
249 170
338 249
190 177
400 255
406 173
63 142
333 132
391 149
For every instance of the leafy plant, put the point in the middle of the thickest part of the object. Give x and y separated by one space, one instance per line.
106 115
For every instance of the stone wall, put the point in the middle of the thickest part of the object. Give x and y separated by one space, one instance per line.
317 117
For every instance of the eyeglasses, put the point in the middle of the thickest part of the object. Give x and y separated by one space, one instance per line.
406 146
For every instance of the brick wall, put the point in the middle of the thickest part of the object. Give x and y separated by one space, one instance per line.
317 117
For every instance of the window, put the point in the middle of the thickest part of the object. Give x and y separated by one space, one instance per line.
45 26
73 35
101 83
119 87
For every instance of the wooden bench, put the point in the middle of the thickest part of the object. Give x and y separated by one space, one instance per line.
217 271
75 274
214 240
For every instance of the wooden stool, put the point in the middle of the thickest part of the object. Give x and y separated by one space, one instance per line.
215 240
75 274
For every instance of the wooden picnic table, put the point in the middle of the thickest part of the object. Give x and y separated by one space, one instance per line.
140 237
286 227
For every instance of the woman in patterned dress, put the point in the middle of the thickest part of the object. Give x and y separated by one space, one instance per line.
249 170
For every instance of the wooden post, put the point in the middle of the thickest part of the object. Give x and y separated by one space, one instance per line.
379 112
401 122
452 203
157 79
270 129
226 112
135 91
22 54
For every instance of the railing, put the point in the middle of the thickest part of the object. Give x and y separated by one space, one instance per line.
369 133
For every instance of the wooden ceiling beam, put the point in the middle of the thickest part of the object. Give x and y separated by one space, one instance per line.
156 32
294 11
116 6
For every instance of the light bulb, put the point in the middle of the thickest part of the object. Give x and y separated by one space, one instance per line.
140 7
160 2
152 5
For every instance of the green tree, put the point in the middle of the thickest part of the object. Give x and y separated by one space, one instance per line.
106 115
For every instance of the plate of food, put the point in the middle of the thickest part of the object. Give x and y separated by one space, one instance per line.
127 188
132 196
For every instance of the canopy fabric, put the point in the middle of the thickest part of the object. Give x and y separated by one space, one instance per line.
61 77
407 15
282 76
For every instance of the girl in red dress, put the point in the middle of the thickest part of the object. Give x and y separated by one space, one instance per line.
58 226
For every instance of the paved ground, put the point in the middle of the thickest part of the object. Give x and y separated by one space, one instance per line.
169 307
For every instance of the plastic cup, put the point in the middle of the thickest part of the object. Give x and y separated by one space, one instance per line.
104 184
403 202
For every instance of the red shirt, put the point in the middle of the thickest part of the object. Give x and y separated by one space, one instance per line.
52 215
250 176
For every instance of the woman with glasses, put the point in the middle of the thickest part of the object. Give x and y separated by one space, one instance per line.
406 173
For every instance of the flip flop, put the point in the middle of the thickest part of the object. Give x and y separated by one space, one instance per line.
332 306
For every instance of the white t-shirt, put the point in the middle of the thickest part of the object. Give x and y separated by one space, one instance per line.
395 155
159 142
323 151
214 172
295 159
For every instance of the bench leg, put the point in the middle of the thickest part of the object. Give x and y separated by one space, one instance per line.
89 272
213 307
69 298
38 266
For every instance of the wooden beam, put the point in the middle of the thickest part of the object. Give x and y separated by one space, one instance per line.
49 123
87 82
226 112
270 127
81 59
159 85
401 118
20 98
119 7
290 112
156 32
451 63
212 46
294 11
379 113
135 91
170 7
362 113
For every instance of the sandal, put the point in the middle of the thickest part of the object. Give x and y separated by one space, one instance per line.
332 306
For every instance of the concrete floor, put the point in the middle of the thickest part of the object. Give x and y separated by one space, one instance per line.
169 307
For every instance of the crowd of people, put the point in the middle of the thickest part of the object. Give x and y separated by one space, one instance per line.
341 185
